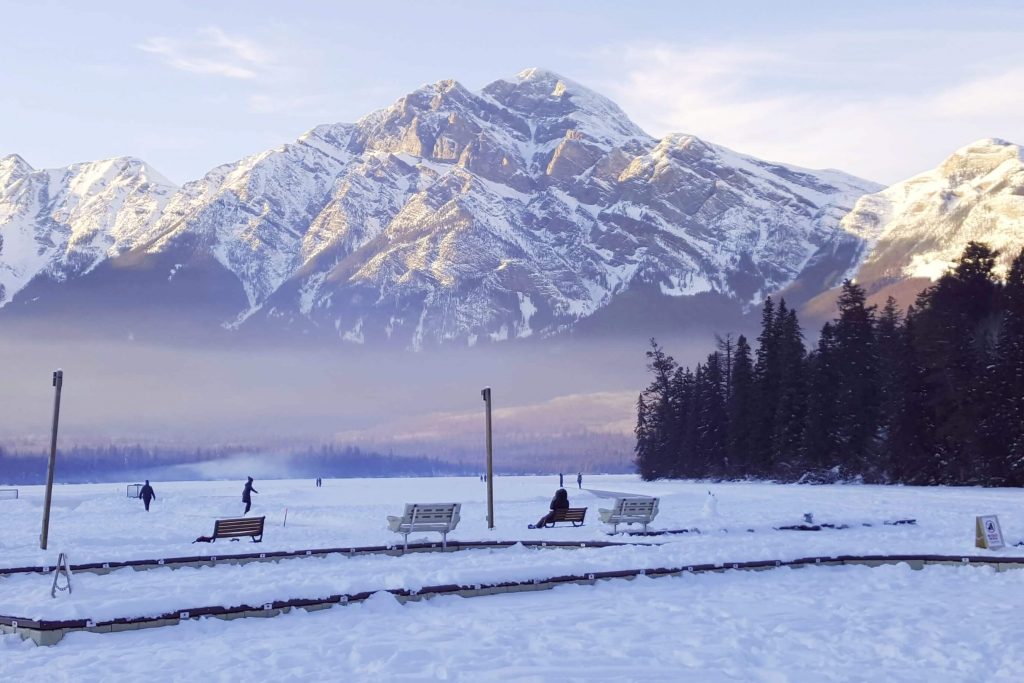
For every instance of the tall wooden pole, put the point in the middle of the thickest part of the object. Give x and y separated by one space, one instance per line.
486 393
58 382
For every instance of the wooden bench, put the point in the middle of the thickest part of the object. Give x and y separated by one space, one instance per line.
240 526
630 511
574 516
439 517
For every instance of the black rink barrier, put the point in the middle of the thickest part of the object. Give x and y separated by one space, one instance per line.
790 527
354 551
45 632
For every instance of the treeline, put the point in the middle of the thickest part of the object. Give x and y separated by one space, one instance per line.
85 464
350 461
78 464
935 396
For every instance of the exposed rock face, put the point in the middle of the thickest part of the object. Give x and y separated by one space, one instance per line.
909 234
448 217
62 223
915 229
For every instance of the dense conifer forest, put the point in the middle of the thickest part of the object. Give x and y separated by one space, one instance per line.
933 395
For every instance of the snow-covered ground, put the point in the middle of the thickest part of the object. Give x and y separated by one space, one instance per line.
835 623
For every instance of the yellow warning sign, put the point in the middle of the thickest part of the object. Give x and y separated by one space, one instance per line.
987 532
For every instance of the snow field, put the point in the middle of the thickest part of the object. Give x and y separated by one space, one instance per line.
837 623
813 624
96 522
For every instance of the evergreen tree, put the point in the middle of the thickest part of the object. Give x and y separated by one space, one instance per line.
655 417
821 449
1004 426
888 340
687 458
767 383
791 405
955 333
911 454
727 349
711 417
741 400
856 365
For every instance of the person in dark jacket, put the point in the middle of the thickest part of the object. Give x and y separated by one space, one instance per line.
147 495
559 502
247 495
579 480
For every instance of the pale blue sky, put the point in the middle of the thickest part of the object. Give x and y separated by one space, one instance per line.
879 89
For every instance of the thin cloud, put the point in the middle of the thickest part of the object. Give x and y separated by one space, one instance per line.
848 103
212 52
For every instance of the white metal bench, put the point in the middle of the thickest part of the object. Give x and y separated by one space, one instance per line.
630 511
439 517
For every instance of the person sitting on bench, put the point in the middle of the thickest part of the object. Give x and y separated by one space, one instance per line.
559 502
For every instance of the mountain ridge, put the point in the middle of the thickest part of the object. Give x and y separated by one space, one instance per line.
447 217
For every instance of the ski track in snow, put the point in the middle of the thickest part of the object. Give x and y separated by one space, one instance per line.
836 623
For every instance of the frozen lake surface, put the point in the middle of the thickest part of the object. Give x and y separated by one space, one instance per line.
836 623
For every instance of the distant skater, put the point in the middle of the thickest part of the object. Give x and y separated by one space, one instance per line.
579 480
147 495
247 495
319 482
559 502
561 480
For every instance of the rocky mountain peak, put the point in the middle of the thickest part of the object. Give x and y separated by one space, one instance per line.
93 177
557 104
980 158
916 228
13 168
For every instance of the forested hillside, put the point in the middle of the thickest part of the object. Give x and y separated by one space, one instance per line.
934 395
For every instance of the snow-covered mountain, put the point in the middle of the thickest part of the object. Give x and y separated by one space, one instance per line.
61 223
916 228
449 217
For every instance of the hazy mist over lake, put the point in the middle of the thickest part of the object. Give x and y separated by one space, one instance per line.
127 392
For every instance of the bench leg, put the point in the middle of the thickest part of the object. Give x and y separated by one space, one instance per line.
405 547
444 541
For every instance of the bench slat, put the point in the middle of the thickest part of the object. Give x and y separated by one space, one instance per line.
439 517
244 526
573 515
630 511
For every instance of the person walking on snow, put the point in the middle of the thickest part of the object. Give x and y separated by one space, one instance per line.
147 495
579 480
561 480
247 495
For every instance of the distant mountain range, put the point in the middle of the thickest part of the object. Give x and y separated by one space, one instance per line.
533 208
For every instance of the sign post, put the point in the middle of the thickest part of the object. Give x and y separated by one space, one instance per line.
987 532
486 394
58 382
